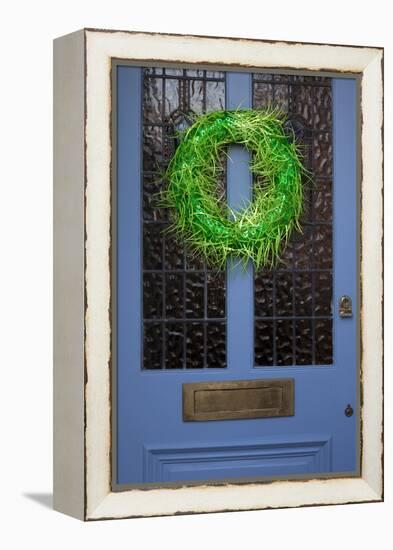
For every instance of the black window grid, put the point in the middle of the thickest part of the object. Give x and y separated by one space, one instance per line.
191 325
271 83
163 322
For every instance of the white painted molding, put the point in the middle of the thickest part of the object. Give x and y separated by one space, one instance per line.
100 48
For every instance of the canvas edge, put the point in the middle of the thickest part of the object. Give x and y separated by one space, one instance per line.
68 272
101 502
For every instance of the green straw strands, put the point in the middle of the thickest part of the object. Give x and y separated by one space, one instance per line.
205 222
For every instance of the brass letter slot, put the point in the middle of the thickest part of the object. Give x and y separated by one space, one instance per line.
238 399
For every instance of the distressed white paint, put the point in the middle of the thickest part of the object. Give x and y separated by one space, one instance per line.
233 497
371 268
101 47
69 251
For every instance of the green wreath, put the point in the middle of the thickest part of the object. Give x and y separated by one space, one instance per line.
205 222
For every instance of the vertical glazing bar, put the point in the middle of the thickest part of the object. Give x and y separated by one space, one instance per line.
240 288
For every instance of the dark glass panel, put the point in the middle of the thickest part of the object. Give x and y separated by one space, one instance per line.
174 339
281 97
287 255
195 292
195 346
216 346
307 206
302 102
174 253
192 290
311 79
215 74
215 294
152 245
284 342
174 295
323 293
322 108
302 248
152 100
152 346
306 154
323 342
151 210
300 293
263 94
263 76
173 72
298 78
215 97
171 96
284 294
323 154
197 96
152 149
323 247
303 331
303 294
195 73
263 293
152 295
264 343
323 204
193 261
281 78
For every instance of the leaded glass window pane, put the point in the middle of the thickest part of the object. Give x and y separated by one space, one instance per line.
293 302
184 306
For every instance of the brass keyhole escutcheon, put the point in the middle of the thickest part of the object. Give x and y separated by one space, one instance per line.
345 306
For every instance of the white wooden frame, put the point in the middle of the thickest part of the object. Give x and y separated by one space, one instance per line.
82 404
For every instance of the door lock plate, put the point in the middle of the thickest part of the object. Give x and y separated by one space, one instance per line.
345 306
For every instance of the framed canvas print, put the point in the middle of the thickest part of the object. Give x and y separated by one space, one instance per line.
218 274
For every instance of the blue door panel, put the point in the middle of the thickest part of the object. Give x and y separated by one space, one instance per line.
153 442
251 460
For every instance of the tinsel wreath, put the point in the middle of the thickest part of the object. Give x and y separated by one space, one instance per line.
260 230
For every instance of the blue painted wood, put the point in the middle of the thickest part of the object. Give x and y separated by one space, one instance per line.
247 458
345 211
129 283
149 403
240 286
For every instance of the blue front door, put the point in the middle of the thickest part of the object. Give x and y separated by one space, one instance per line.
177 321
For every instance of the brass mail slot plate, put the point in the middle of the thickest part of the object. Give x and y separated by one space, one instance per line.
237 399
